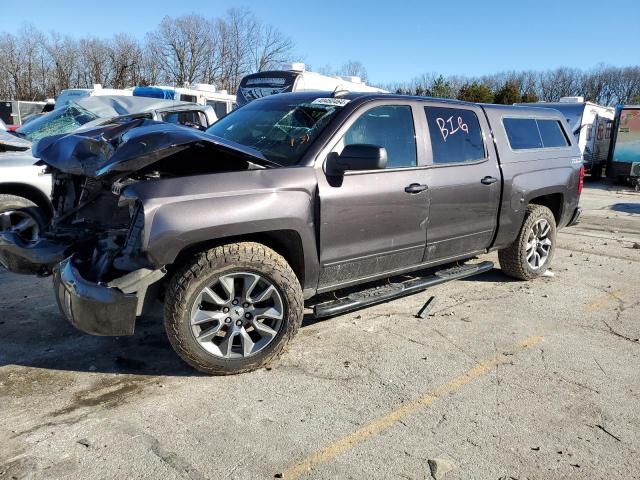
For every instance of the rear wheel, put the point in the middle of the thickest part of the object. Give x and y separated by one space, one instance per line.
530 255
233 308
22 217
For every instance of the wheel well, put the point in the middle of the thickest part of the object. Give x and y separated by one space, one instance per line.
553 202
30 193
285 242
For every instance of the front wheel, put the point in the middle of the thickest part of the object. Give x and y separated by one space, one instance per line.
530 255
233 308
22 217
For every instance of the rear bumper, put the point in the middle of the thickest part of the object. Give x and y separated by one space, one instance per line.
37 257
102 309
575 218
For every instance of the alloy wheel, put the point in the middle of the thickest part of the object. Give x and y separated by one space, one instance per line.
237 316
538 244
20 223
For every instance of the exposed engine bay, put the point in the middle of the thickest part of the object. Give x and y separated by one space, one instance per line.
92 169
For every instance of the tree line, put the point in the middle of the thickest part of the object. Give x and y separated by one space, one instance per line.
186 49
603 84
220 51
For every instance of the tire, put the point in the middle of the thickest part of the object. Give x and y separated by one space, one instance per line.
596 173
513 259
15 210
200 291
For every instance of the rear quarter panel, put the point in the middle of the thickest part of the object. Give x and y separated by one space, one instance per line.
528 174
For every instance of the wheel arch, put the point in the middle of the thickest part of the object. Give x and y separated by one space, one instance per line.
553 201
29 192
287 243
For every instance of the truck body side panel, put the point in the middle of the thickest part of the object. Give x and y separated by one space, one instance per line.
226 205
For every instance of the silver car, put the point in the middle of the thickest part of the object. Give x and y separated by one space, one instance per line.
25 188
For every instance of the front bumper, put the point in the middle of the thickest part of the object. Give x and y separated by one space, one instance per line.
575 218
37 257
102 309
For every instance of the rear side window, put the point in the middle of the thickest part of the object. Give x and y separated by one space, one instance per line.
528 133
552 134
456 136
522 133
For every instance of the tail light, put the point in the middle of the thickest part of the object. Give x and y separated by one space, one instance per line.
581 181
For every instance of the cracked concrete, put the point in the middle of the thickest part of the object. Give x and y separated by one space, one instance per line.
74 406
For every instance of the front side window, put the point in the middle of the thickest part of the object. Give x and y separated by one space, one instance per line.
187 118
219 107
388 126
456 136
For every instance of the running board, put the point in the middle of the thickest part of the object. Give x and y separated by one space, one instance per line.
372 296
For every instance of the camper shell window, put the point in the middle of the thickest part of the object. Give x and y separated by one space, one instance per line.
534 133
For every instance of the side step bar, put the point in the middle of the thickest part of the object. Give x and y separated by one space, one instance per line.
372 296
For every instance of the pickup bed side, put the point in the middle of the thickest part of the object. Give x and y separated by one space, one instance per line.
547 176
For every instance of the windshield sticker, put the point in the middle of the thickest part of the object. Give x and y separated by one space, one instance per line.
336 102
448 130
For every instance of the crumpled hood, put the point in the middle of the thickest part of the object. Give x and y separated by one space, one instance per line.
130 146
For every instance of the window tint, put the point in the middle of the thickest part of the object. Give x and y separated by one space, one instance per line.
455 135
552 134
525 133
522 133
219 107
388 126
188 118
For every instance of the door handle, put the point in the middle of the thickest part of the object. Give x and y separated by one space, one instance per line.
415 188
488 180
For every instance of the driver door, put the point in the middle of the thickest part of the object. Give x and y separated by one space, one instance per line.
374 221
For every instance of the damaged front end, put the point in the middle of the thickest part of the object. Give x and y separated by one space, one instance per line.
94 243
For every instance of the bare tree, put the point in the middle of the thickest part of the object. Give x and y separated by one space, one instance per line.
354 68
269 48
94 61
183 47
63 52
626 84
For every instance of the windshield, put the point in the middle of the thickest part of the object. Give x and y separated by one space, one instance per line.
61 120
281 131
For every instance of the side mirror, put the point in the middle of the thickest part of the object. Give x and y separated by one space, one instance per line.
356 157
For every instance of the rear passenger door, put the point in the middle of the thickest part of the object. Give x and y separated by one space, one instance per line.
464 181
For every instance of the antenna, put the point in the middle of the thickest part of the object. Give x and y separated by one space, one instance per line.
339 92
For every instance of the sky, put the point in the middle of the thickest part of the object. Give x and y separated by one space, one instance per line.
396 41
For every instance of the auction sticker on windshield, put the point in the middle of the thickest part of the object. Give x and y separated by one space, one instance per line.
337 102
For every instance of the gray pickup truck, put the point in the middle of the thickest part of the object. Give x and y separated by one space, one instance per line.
288 198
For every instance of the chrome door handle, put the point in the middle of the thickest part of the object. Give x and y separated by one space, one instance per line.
415 188
488 180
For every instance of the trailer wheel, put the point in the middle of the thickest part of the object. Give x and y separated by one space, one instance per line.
530 255
233 308
596 173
